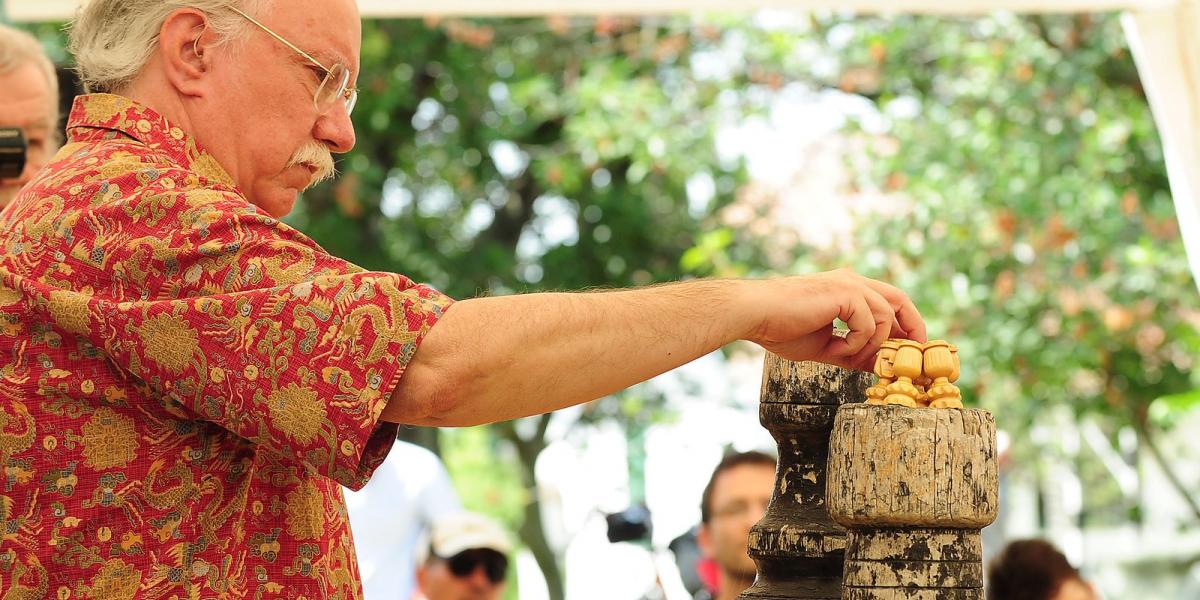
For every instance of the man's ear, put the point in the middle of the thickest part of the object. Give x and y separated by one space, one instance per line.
185 46
704 540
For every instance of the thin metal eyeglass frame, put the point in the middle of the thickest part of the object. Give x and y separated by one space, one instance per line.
349 95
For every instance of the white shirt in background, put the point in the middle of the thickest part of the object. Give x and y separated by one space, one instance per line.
388 516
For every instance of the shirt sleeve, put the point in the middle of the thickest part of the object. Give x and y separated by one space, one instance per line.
246 323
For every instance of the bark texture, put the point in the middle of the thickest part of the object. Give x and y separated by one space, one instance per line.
798 549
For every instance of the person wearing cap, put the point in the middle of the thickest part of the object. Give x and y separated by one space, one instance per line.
466 559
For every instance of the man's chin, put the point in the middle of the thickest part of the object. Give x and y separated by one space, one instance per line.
278 204
746 572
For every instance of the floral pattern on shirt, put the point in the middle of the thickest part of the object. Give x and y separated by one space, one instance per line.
184 381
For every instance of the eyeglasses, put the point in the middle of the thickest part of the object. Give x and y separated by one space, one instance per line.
335 85
495 565
742 507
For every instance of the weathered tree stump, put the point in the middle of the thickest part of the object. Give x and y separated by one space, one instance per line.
913 487
798 549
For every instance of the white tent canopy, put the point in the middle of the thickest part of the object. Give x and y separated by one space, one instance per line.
34 10
1162 34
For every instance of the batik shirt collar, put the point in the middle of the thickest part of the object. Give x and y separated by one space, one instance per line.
100 115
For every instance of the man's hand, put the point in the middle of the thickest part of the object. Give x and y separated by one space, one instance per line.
797 315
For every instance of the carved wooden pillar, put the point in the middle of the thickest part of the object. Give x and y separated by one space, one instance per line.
913 487
797 547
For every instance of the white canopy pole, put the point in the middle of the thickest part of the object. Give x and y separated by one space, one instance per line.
1167 50
61 10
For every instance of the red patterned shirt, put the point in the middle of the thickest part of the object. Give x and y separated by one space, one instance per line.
184 380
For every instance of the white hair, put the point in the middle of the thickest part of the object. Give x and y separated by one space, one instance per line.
18 48
113 39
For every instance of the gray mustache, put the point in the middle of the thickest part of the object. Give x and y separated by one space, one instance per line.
317 156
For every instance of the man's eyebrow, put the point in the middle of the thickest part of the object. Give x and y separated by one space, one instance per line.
328 58
324 57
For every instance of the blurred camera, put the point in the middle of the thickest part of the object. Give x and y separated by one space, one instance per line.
629 525
12 152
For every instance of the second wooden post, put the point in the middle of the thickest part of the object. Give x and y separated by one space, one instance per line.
913 487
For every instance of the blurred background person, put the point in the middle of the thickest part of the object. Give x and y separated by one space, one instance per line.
28 101
390 515
466 559
1035 570
735 498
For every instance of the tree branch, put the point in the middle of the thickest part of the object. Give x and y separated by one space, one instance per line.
1146 435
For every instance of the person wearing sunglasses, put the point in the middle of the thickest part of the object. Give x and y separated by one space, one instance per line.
193 380
466 559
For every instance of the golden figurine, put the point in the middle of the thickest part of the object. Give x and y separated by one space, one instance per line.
939 365
883 370
916 375
906 366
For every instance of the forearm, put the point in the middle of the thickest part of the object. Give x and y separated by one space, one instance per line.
492 359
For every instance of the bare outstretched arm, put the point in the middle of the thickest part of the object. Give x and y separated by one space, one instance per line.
492 359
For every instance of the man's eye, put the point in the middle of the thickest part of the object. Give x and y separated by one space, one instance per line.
320 73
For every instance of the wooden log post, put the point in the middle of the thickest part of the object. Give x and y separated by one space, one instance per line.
913 487
798 549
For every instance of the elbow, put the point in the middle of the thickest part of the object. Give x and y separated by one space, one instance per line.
445 383
430 398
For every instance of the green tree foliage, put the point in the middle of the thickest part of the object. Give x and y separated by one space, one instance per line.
1034 224
515 155
520 155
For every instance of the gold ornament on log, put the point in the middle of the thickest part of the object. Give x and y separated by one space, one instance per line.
916 375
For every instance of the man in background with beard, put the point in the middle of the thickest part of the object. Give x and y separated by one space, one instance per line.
735 498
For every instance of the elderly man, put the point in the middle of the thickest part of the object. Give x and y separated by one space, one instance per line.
28 101
185 380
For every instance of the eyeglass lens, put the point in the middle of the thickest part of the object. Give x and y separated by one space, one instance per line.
333 89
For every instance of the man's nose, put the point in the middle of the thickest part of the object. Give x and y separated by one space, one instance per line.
754 515
479 579
335 130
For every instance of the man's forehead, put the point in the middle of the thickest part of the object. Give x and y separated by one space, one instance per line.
23 84
730 482
329 30
25 99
